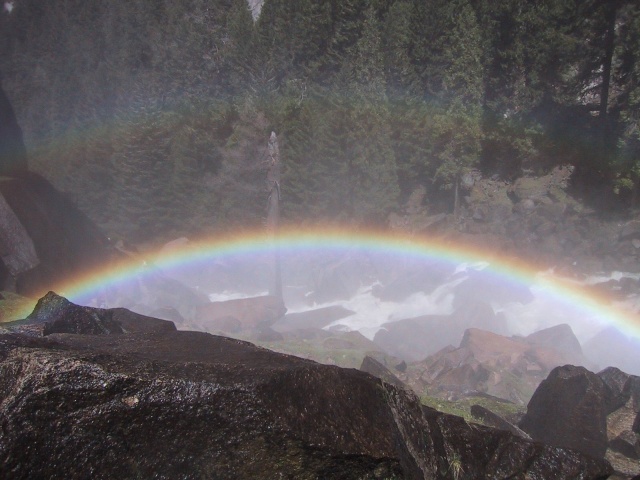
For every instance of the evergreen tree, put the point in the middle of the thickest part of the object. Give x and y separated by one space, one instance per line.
140 200
239 187
372 171
447 59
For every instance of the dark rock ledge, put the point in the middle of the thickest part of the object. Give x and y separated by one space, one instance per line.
162 403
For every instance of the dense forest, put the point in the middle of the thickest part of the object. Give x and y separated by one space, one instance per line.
154 115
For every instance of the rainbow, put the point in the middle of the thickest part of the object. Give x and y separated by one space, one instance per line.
585 303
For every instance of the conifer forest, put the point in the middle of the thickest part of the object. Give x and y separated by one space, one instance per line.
154 115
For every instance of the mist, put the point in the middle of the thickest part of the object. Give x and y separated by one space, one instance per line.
366 291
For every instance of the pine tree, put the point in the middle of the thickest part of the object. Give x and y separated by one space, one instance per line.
140 201
239 186
446 53
370 161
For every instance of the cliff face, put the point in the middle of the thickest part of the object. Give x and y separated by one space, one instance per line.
43 236
179 404
13 155
64 240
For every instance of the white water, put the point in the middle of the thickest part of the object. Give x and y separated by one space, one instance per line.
543 311
372 313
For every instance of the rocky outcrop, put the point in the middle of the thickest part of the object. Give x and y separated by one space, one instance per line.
249 314
180 404
569 409
560 338
622 388
499 449
623 420
414 339
485 362
496 421
55 314
377 369
592 413
59 315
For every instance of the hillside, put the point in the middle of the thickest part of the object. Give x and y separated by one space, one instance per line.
154 117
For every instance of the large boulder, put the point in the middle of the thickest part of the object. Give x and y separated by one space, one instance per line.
414 339
487 363
558 337
569 409
55 314
377 369
250 313
463 447
59 315
178 404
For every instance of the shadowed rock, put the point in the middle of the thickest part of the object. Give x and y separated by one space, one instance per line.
569 409
65 240
627 443
620 387
496 421
502 451
505 367
375 368
16 248
55 314
59 315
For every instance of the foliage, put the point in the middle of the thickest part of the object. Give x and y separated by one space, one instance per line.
152 115
462 407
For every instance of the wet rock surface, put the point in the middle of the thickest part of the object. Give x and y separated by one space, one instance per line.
162 403
593 413
568 409
492 419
